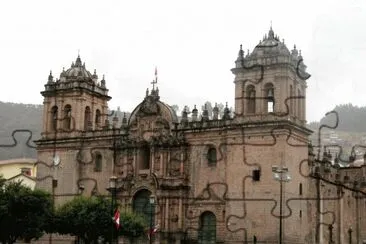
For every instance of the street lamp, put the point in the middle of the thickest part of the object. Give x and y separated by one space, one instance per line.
281 174
152 202
112 189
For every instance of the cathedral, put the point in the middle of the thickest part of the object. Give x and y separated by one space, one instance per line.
242 177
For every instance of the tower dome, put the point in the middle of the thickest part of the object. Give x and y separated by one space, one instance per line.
270 46
77 71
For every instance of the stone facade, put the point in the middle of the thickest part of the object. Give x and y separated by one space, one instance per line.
211 177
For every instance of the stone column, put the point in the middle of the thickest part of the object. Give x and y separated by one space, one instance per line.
166 214
152 159
161 163
182 161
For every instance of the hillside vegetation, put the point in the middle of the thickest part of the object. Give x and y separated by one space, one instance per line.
13 117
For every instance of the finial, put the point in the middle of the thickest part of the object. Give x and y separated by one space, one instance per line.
156 79
283 40
299 52
95 71
226 104
241 53
63 69
103 77
271 33
50 77
295 46
78 61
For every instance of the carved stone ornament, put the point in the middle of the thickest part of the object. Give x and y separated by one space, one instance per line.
149 107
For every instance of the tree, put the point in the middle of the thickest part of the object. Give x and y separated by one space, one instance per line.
351 118
87 218
24 213
132 225
90 219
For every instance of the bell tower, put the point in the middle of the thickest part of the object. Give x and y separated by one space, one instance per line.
270 82
75 102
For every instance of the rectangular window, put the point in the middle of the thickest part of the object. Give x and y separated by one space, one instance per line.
256 175
300 189
26 171
145 158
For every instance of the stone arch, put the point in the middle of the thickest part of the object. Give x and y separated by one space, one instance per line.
144 162
207 228
98 162
98 119
87 118
251 102
141 205
67 117
211 156
54 118
269 98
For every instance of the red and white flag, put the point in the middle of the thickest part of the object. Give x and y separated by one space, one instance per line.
116 218
153 231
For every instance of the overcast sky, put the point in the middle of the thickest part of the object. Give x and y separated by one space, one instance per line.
193 43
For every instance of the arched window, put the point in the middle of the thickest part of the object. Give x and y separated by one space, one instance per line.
269 98
97 118
141 205
207 229
67 117
87 119
98 162
211 156
299 102
54 118
145 157
291 103
250 99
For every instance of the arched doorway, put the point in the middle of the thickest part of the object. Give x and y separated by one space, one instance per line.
207 230
141 205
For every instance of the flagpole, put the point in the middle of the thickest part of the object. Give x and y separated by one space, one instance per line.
152 202
112 189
